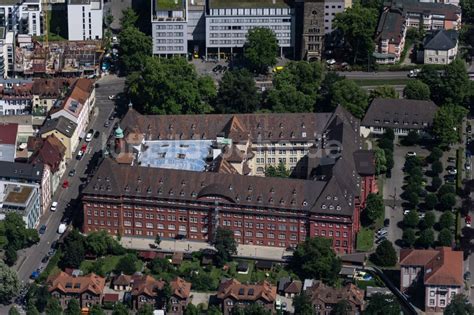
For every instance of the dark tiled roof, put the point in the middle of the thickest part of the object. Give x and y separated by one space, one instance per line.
8 133
391 25
400 113
365 162
21 171
50 88
51 153
329 295
61 124
450 11
441 40
246 292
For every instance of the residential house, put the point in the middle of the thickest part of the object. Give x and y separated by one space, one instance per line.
439 271
390 36
8 142
401 115
180 296
282 284
146 290
51 154
323 297
78 106
65 130
293 288
231 293
88 290
20 173
15 96
440 47
122 283
46 92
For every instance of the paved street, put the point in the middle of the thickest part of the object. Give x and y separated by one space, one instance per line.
29 259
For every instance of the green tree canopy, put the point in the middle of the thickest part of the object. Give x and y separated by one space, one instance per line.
279 171
446 220
96 310
251 309
127 264
429 220
135 46
100 243
73 308
351 96
385 255
13 311
445 237
31 309
445 122
374 207
416 90
431 200
53 307
120 309
455 86
10 285
191 310
426 238
146 309
10 256
435 154
437 167
383 304
412 138
237 93
459 305
225 245
357 25
446 189
129 18
302 305
380 161
73 250
315 258
18 236
170 86
411 219
447 201
342 308
409 237
260 49
383 91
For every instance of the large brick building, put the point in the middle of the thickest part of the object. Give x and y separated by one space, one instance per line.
142 195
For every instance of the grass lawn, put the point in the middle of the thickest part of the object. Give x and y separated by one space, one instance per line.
377 82
109 264
365 240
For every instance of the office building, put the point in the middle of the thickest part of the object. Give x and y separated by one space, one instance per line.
169 27
85 19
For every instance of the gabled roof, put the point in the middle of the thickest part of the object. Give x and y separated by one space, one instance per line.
294 286
441 40
146 285
22 171
246 292
391 26
76 285
180 288
51 153
8 133
329 295
51 88
61 124
123 280
365 162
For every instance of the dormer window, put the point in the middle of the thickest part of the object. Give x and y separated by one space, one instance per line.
270 200
160 191
259 199
237 198
272 190
193 194
293 192
231 188
161 181
282 201
171 193
170 127
148 190
331 207
303 126
127 188
305 203
250 189
139 179
183 183
338 208
303 134
324 207
328 197
193 126
181 193
293 202
138 189
281 125
377 121
249 198
335 198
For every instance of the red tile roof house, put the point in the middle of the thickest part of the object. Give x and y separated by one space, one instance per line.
232 293
146 290
8 136
88 290
439 270
180 296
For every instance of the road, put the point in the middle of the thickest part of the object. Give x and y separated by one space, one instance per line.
30 259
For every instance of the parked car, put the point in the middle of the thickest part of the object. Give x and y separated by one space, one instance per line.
451 170
42 229
54 206
411 153
65 184
112 97
79 155
469 129
406 211
106 124
62 228
45 259
467 166
331 62
413 73
380 240
451 159
217 68
468 220
89 137
96 134
386 222
34 275
72 173
421 216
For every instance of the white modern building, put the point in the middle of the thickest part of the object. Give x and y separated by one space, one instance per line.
331 8
22 198
6 52
85 19
23 17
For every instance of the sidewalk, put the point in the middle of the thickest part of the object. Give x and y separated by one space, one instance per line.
243 251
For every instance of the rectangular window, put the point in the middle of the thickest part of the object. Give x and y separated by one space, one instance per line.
171 227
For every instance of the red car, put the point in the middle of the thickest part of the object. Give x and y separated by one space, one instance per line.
84 148
467 219
65 184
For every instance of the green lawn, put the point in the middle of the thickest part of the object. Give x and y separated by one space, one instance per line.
109 264
377 82
365 240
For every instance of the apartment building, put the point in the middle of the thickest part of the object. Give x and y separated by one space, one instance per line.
15 96
47 91
21 17
6 52
85 19
65 130
170 27
177 194
22 198
180 296
440 47
390 36
439 272
8 142
323 297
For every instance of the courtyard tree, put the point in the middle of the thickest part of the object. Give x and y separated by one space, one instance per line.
445 237
445 123
426 238
435 154
315 258
129 18
459 305
428 221
13 311
10 285
237 93
455 84
431 200
374 208
302 304
385 255
446 220
409 237
127 264
225 245
279 171
73 250
120 309
436 167
96 310
416 90
260 49
383 304
412 198
73 308
251 309
53 307
412 138
135 46
350 96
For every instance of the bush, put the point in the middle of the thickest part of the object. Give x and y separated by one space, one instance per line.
446 220
385 255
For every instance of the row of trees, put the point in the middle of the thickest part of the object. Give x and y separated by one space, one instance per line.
384 153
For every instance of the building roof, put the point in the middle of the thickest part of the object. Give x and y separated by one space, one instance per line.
441 40
400 113
21 171
76 99
247 292
51 153
330 295
441 266
8 133
365 162
391 26
222 4
369 291
51 88
61 124
123 280
146 285
111 297
282 283
169 4
180 288
449 11
76 285
294 287
17 194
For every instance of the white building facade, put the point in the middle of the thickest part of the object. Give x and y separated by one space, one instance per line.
22 18
85 19
24 199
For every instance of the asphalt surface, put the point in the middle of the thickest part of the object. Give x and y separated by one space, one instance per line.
30 259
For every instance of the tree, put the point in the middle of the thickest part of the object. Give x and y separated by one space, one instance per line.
411 138
429 220
315 258
409 237
129 18
101 244
435 155
53 307
342 308
279 171
73 250
350 96
326 90
96 310
374 207
445 237
170 86
9 283
455 85
18 236
436 167
446 189
431 200
383 304
416 90
380 161
191 310
446 220
302 305
10 256
225 245
447 201
73 308
445 122
251 309
357 25
135 46
237 93
146 309
39 296
288 99
436 183
426 238
385 255
120 309
31 309
127 264
260 49
13 311
383 91
459 305
412 198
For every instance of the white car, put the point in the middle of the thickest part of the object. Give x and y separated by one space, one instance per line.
452 171
467 166
54 206
405 212
421 216
331 62
89 137
411 153
62 228
414 73
112 97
